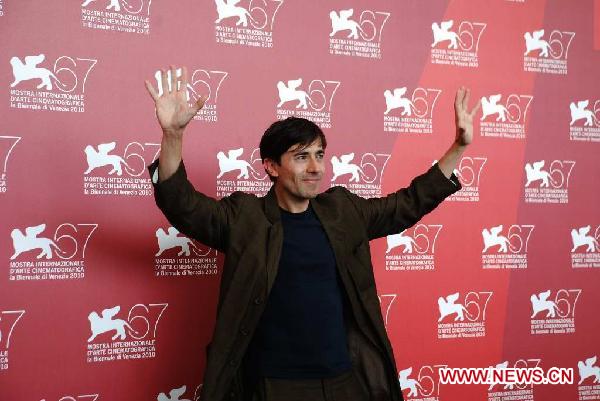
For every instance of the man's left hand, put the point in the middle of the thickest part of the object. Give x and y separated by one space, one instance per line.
464 117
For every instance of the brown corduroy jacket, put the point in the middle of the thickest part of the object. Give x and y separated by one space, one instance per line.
248 230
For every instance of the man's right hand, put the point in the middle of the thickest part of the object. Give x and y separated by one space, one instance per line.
174 113
172 108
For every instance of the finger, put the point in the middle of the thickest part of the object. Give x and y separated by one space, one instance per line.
457 98
465 102
184 80
173 79
151 90
163 81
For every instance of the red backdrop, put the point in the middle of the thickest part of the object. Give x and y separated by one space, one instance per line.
101 300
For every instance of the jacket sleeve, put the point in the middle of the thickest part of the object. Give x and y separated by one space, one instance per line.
192 213
404 208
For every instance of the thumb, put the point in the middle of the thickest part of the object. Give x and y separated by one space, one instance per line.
200 103
476 108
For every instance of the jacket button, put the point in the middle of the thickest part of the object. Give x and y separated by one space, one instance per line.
244 331
232 394
232 362
258 301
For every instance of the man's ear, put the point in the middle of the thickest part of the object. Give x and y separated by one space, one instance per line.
270 167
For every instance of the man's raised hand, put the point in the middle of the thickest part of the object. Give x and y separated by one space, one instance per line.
172 108
464 117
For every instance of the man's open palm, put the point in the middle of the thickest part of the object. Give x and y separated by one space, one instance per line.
172 108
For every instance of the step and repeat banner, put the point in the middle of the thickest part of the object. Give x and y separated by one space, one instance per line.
101 299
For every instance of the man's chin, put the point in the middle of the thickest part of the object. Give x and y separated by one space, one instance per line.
310 194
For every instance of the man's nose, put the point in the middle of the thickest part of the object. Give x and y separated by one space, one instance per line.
314 165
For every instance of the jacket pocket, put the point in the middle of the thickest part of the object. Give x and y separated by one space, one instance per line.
369 367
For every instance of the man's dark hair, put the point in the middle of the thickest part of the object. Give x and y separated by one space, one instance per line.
283 134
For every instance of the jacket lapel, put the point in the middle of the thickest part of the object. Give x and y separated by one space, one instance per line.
338 239
275 236
271 206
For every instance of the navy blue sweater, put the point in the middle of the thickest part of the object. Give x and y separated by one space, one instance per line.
301 334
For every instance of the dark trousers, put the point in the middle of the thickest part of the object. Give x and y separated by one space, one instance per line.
345 387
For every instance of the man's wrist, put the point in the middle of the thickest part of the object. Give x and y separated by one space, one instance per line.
459 138
172 133
458 145
172 140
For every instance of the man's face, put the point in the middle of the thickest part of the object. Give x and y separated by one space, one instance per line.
300 172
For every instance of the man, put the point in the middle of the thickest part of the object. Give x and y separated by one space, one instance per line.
298 316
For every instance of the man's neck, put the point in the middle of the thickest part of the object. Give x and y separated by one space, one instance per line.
289 203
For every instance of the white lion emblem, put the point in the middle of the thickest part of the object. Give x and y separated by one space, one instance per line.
100 325
290 92
491 106
230 163
98 158
173 395
411 384
534 173
442 32
534 41
30 241
579 112
30 70
396 100
114 4
171 239
342 166
396 240
492 238
580 237
230 9
447 306
541 303
588 369
342 22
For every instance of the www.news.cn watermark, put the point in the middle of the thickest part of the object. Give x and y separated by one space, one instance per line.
510 376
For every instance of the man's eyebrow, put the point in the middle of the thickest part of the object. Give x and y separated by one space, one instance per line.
305 152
